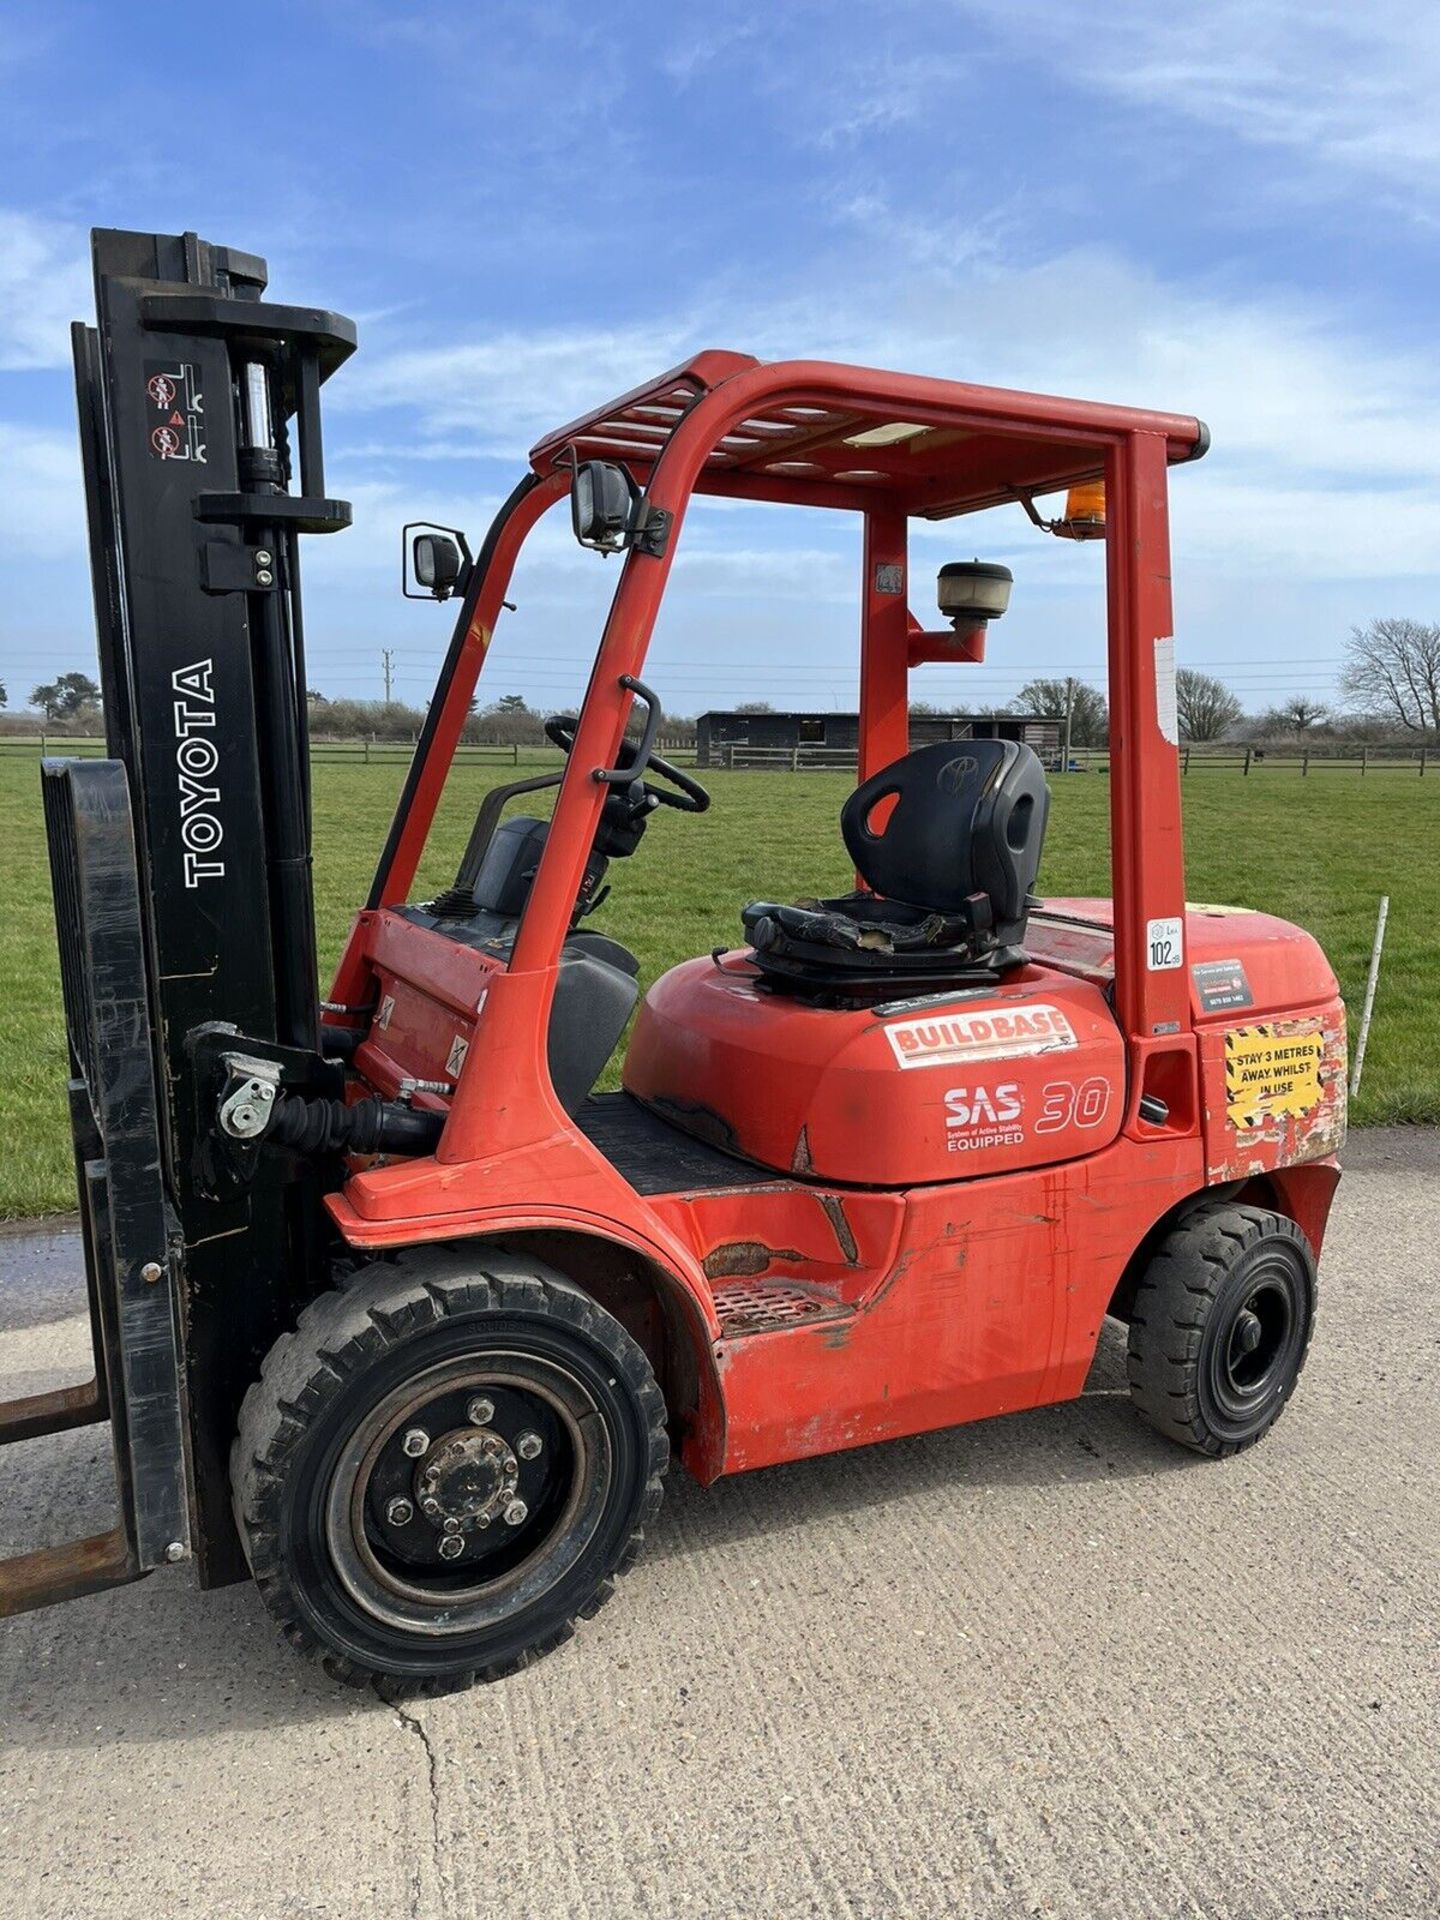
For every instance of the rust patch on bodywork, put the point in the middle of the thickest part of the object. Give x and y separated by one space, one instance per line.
834 1208
738 1258
800 1161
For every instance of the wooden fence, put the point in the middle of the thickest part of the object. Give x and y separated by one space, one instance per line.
1194 759
35 746
736 757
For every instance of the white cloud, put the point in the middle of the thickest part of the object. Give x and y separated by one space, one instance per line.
44 285
508 388
1352 88
44 515
1323 441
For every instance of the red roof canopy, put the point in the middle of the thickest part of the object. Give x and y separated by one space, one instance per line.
822 434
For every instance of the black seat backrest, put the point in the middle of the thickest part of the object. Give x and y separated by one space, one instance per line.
503 882
968 816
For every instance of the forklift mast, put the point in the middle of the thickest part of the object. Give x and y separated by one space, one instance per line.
182 872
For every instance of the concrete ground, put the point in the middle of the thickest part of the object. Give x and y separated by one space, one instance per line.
1044 1666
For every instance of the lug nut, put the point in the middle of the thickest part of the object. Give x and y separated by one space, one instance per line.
416 1442
529 1446
451 1524
430 1507
399 1512
516 1514
480 1411
451 1547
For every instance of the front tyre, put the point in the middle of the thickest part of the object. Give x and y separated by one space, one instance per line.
443 1467
1221 1326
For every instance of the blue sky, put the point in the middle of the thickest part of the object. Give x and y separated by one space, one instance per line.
1228 209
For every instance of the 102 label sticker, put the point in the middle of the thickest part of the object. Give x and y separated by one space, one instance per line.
1164 944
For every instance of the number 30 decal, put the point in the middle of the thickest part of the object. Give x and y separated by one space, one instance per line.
1065 1105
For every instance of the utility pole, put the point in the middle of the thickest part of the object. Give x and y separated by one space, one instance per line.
1069 722
387 658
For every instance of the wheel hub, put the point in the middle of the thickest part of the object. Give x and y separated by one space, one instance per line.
468 1478
1249 1354
1248 1331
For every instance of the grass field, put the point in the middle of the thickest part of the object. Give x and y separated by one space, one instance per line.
1319 852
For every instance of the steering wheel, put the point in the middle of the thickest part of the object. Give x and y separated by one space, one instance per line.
689 796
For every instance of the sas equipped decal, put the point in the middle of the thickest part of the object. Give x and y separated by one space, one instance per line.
978 1117
992 1035
1271 1075
993 1115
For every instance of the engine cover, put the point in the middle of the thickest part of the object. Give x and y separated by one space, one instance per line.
942 1087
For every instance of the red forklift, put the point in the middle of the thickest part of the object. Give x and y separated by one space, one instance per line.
391 1309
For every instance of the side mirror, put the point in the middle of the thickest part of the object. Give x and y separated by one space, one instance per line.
439 561
603 499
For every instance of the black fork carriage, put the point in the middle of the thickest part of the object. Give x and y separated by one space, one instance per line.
181 878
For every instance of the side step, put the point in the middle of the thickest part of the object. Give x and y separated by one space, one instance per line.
746 1307
131 1255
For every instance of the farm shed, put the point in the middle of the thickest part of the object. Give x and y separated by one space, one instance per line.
726 738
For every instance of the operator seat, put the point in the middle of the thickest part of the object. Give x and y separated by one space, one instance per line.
947 842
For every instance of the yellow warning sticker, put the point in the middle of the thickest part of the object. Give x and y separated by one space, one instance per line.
1270 1074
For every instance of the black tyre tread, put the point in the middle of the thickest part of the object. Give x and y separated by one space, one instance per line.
338 1334
1190 1265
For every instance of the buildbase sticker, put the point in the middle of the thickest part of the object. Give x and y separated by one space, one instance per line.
995 1034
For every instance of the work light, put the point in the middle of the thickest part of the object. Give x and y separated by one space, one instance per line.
973 590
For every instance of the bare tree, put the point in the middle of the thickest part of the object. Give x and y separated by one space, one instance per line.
1206 707
1298 714
1047 700
1392 667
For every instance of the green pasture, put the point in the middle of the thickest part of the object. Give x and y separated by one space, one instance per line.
1318 851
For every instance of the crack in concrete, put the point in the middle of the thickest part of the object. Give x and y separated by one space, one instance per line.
415 1725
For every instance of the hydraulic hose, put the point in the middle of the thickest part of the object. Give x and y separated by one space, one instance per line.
367 1126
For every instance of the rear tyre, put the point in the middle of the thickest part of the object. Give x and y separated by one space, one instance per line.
1221 1326
444 1467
